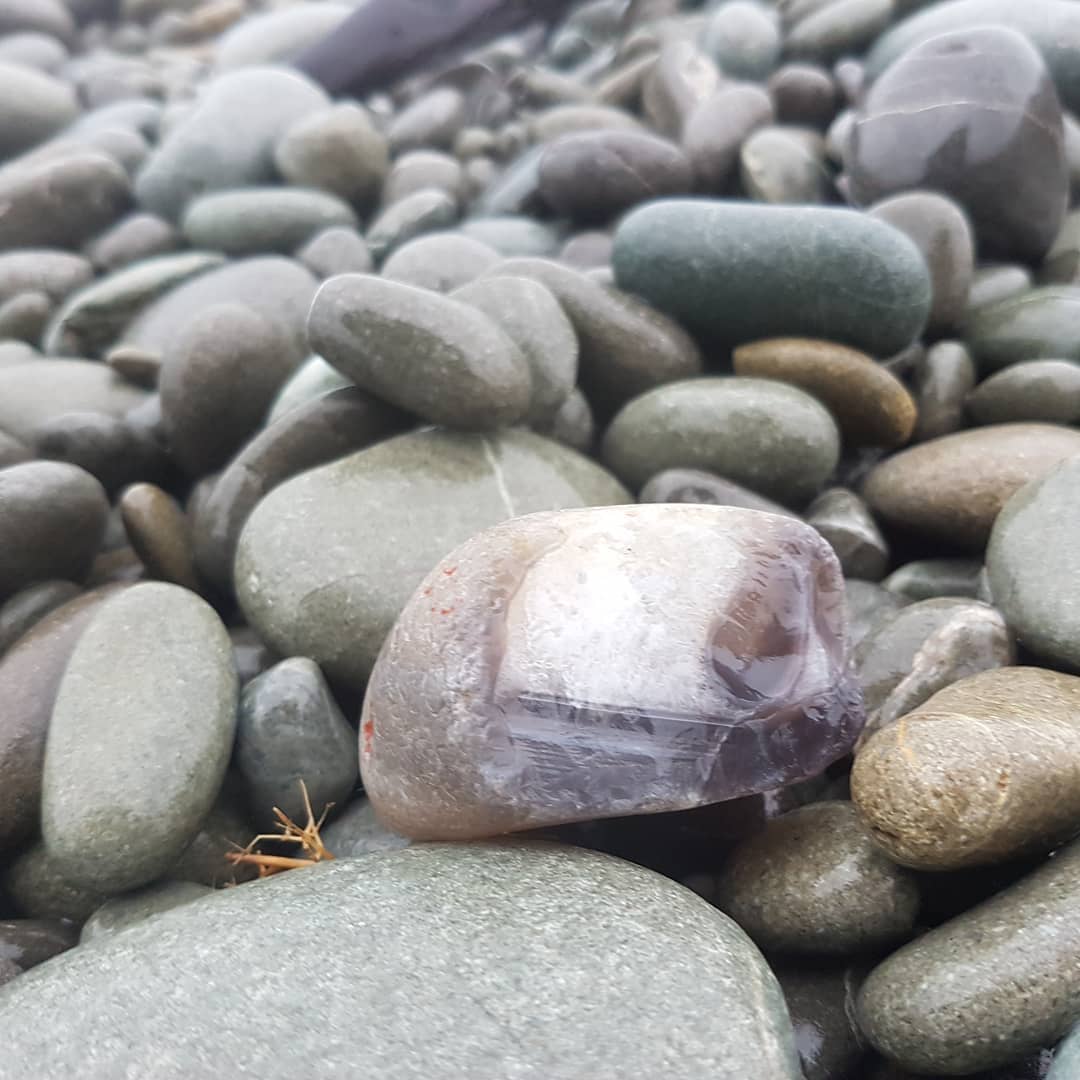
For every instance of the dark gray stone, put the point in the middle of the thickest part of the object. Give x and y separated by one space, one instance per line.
1038 390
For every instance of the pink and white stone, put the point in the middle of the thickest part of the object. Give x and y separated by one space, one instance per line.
620 660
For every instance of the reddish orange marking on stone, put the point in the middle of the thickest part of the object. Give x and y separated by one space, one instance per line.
445 610
368 733
427 591
450 571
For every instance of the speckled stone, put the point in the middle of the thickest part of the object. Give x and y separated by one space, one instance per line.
326 576
943 379
956 108
260 220
741 272
846 523
227 139
951 489
289 728
1031 325
1032 560
218 378
52 520
139 738
1038 390
980 773
534 320
941 231
506 697
597 175
439 358
312 434
30 675
812 881
774 439
39 890
986 987
626 346
130 909
870 405
822 1004
537 939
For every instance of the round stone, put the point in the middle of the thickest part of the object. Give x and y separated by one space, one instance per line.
440 262
597 175
871 406
984 93
813 882
506 698
327 560
436 357
1033 561
139 738
774 439
546 919
744 39
980 773
1029 325
987 987
290 730
951 489
52 521
159 532
739 272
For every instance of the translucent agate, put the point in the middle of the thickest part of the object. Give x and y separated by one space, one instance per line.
596 663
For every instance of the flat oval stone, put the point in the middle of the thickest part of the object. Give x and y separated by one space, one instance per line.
52 521
626 346
218 378
924 579
1038 390
276 288
290 729
30 675
513 236
246 950
836 29
38 107
870 405
738 272
500 701
227 139
535 321
949 105
259 220
813 882
698 486
337 250
997 281
313 434
132 239
327 561
597 175
159 532
55 273
139 738
1030 325
988 986
774 439
717 128
424 211
951 489
941 231
1032 560
440 262
278 34
436 357
978 774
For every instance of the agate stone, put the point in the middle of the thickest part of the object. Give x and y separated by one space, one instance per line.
583 664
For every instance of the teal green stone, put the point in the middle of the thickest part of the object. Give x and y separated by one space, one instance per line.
734 272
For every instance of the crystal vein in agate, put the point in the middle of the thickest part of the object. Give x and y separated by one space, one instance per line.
621 660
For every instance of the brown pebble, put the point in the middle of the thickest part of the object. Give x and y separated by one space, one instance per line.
158 530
